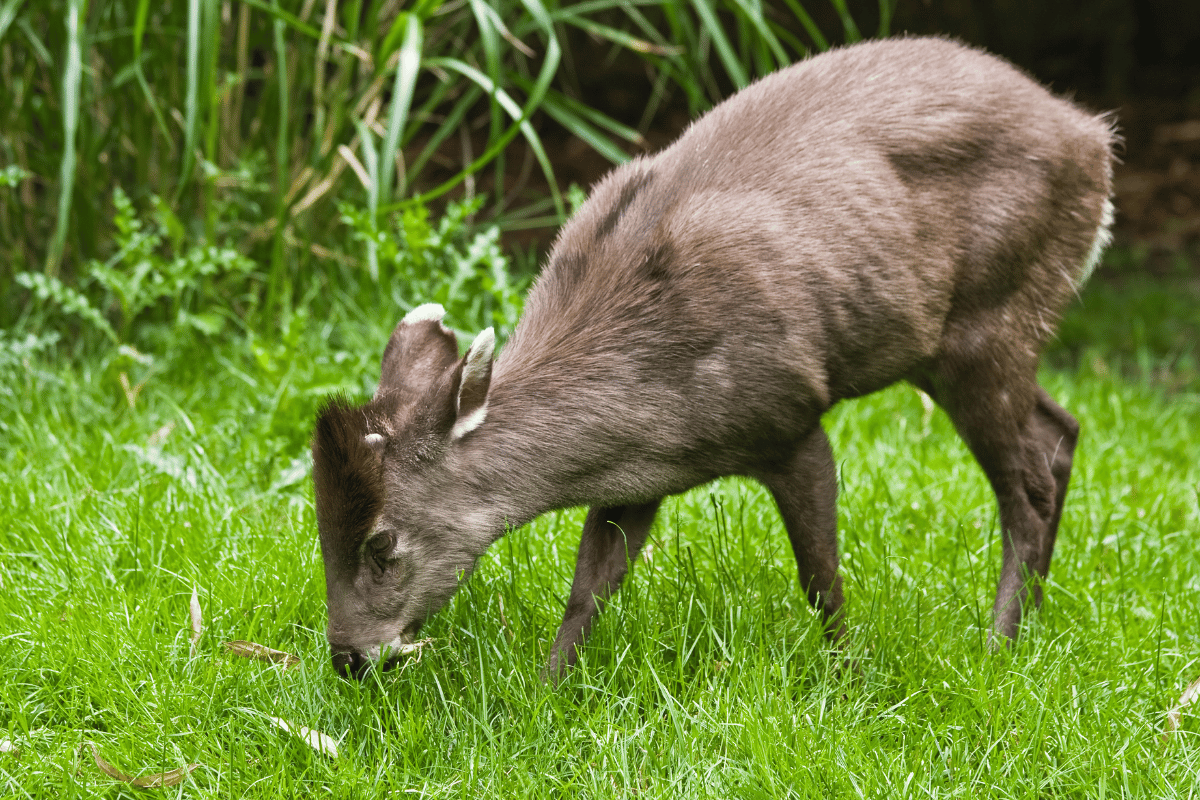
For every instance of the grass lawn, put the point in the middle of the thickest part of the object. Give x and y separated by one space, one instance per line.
707 676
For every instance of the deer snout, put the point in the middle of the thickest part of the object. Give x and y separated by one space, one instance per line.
350 663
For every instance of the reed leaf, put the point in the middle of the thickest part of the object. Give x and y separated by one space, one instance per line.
729 59
139 32
848 24
8 12
886 7
520 125
752 12
71 99
406 80
277 281
371 163
211 37
810 27
191 96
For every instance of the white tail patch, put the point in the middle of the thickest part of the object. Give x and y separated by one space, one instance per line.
429 312
1103 237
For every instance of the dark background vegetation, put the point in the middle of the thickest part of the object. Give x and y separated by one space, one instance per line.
1138 58
244 168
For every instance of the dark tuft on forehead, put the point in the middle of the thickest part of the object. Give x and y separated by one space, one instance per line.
347 477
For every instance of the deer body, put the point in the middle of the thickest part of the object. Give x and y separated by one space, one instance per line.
907 209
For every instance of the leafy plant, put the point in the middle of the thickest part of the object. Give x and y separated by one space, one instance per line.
138 277
66 300
152 271
443 263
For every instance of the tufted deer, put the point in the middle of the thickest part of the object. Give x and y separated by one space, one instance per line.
909 209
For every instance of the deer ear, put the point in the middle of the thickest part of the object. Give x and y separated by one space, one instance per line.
471 404
418 354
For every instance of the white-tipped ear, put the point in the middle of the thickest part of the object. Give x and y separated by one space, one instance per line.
375 442
471 403
429 312
479 361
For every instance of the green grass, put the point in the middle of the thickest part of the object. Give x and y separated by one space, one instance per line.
707 676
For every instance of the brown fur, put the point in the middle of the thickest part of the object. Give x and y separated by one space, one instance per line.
908 209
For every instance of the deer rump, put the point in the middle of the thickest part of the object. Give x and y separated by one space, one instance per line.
907 209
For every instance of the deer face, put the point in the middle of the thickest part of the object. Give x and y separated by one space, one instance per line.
396 537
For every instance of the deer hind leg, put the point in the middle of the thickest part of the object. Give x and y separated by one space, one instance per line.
806 492
1025 443
612 539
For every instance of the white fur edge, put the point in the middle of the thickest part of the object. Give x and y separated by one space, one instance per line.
478 357
470 422
481 351
427 312
1103 237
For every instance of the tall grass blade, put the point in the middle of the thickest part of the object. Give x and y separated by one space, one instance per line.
520 125
490 30
35 43
729 59
295 23
690 79
559 110
191 96
585 122
545 76
848 24
71 91
520 115
281 15
211 37
371 164
618 36
139 31
281 155
402 94
886 7
400 28
351 16
810 27
752 9
488 23
8 12
319 111
449 125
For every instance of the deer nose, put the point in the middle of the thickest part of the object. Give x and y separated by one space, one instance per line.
350 664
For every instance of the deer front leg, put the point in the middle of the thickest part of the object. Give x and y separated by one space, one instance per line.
612 539
805 489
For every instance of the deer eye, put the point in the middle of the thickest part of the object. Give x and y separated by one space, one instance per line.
379 550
